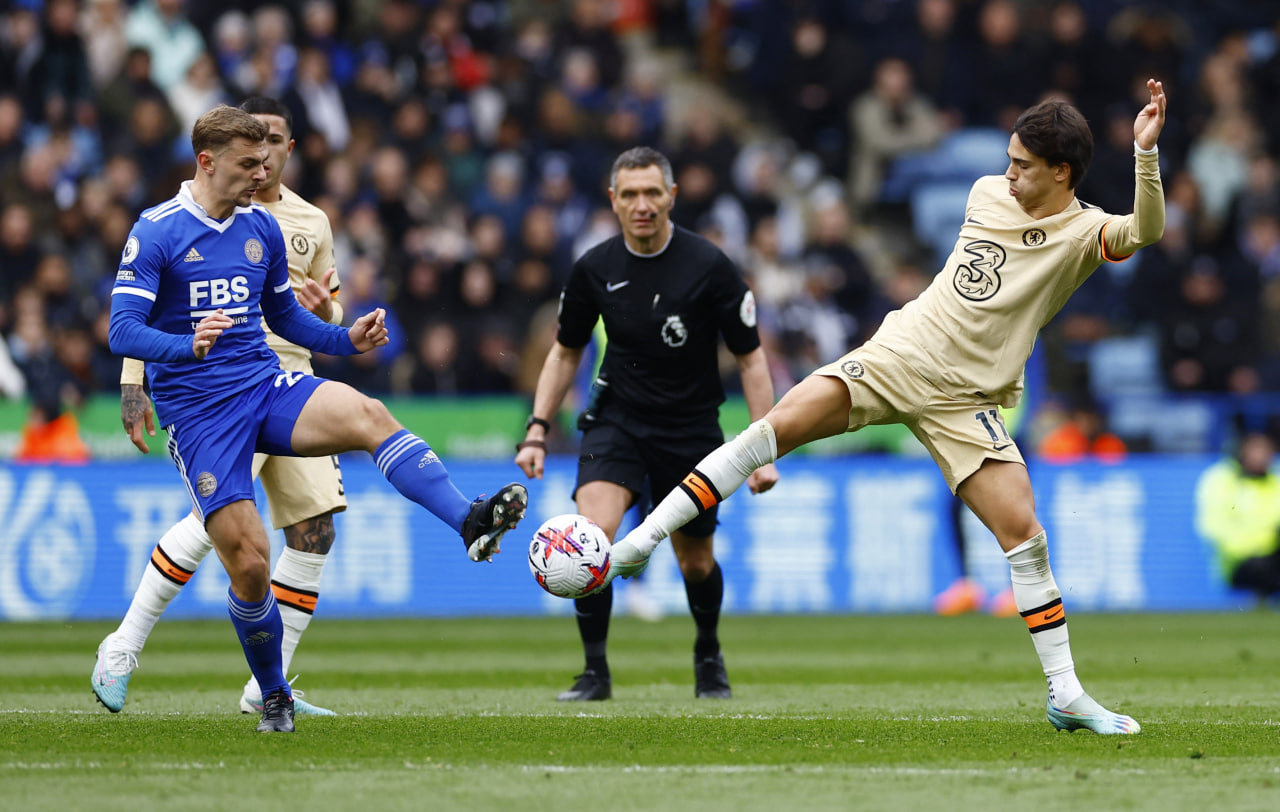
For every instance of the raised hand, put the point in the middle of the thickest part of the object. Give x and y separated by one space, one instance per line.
1149 123
316 297
369 331
208 331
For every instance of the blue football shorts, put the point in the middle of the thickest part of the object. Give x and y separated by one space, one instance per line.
213 448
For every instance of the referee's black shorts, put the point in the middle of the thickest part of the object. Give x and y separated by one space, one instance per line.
639 454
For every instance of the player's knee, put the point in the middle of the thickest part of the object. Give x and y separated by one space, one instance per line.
250 574
375 421
696 564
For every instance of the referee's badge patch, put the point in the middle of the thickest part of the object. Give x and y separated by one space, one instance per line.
854 369
747 310
253 250
674 333
206 484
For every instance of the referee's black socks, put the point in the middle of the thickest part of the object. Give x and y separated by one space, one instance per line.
705 598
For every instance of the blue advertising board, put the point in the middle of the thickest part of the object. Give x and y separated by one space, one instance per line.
850 534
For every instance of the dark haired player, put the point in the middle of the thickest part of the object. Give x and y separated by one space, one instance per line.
945 364
666 296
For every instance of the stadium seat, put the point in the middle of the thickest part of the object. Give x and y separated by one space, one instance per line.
937 212
1125 365
968 154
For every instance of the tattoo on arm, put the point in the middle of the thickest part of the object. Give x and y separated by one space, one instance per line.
313 535
134 404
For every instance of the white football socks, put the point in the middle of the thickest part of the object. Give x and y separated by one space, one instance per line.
718 475
173 561
1040 603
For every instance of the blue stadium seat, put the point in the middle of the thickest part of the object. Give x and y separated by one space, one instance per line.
937 212
1125 365
971 153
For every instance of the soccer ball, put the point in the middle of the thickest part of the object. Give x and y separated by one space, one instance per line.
569 555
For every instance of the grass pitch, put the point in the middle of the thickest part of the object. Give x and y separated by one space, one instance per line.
843 712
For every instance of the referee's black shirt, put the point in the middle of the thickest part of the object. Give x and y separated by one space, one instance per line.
662 315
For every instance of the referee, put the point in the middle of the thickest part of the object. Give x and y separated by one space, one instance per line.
666 296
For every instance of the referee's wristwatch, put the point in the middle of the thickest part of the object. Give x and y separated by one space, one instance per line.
536 421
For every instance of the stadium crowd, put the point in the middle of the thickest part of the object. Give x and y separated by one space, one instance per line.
461 151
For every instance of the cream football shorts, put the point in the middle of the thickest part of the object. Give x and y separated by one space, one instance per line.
960 432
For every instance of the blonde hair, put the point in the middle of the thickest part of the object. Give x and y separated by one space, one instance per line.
216 129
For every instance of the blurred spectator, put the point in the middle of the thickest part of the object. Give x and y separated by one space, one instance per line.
20 53
1209 340
11 130
363 291
503 194
540 242
275 59
320 100
774 280
51 433
888 120
162 27
200 91
841 274
1237 504
12 385
64 87
587 27
820 75
433 367
1007 67
320 31
123 91
1082 434
459 151
1077 61
233 50
18 255
101 26
704 139
1219 162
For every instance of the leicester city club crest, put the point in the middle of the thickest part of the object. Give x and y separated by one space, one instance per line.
253 250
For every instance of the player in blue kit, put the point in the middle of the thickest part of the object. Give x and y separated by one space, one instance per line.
198 274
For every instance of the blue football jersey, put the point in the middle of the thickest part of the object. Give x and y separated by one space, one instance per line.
180 265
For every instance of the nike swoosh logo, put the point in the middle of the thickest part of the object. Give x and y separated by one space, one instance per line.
1001 447
971 220
1053 614
612 286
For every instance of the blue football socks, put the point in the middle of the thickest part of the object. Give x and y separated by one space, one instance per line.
260 630
413 468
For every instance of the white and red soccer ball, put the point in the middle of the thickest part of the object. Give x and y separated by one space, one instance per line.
569 555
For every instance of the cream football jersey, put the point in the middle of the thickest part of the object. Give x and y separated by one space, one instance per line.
308 239
974 327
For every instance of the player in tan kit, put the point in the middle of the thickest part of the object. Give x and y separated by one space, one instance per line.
947 362
302 492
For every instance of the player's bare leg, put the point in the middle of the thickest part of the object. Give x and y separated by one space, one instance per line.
1000 494
604 503
338 418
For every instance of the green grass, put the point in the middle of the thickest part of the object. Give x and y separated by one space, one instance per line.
895 713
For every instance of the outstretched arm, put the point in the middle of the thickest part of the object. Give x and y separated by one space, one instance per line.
1124 235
